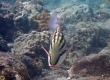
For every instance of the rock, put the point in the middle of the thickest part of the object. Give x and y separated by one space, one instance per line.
12 68
101 16
21 66
73 13
87 37
19 17
34 68
30 45
25 20
92 65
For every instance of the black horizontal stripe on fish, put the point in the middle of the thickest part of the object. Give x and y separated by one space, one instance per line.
59 57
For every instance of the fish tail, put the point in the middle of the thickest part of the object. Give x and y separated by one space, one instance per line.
53 22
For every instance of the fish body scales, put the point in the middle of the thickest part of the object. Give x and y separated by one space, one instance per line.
57 48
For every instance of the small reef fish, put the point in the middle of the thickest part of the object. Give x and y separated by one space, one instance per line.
57 53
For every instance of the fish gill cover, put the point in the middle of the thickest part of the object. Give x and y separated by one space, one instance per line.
24 29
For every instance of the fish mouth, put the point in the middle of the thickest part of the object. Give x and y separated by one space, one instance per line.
54 67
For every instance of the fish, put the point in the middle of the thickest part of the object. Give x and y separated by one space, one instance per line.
53 23
57 52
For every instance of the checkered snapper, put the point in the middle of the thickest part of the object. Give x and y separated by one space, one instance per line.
57 52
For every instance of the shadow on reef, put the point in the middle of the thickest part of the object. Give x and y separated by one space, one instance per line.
6 25
3 45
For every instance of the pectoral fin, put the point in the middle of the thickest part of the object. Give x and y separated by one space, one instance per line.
68 51
45 50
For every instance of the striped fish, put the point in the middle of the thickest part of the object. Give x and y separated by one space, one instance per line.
57 52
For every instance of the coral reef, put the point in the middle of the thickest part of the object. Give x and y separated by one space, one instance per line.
89 34
12 69
70 14
73 13
19 18
7 13
92 65
87 37
42 20
94 3
34 68
5 8
26 20
101 16
18 67
30 44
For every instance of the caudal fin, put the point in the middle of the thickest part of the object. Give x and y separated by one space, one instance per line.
53 22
